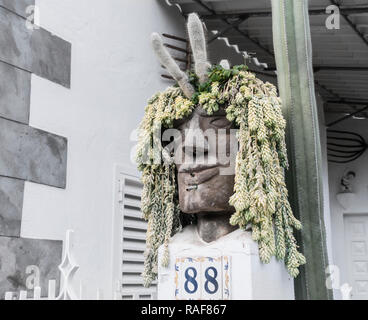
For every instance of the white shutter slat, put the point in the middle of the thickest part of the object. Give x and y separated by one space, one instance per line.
135 224
134 245
133 268
132 213
129 256
128 279
134 235
131 202
132 191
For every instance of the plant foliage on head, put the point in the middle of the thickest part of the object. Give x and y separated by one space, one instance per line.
260 195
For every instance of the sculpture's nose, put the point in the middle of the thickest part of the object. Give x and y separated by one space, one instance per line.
195 150
195 146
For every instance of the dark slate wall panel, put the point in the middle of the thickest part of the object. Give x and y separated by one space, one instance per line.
17 6
11 205
32 154
18 253
37 51
15 40
51 57
15 92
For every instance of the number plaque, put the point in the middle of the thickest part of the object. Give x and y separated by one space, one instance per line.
202 278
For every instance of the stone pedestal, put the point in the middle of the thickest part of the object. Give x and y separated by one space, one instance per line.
226 269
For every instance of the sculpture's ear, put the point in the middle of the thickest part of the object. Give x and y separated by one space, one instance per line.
198 44
171 66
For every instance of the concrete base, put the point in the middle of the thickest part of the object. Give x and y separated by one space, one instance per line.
247 278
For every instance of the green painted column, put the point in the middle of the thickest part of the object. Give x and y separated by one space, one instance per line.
293 54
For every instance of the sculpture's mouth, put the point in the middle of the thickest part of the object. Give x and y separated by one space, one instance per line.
192 168
193 178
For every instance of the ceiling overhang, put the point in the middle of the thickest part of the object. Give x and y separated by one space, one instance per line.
340 56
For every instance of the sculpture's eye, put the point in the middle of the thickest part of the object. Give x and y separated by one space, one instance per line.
221 123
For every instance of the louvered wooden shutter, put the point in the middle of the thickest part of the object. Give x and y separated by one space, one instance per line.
134 241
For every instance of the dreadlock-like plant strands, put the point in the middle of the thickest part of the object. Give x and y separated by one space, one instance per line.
260 195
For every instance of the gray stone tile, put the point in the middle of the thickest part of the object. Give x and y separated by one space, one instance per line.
51 57
16 254
17 6
11 205
32 154
15 91
15 40
37 51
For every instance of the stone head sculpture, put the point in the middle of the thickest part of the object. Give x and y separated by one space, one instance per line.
203 188
186 146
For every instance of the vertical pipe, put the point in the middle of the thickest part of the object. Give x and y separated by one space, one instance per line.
293 54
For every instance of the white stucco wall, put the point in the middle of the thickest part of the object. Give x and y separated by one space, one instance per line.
360 188
114 72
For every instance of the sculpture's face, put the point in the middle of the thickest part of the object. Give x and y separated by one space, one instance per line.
203 155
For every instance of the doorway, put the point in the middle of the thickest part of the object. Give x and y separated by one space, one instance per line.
356 251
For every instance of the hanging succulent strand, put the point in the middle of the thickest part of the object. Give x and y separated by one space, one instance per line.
260 195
